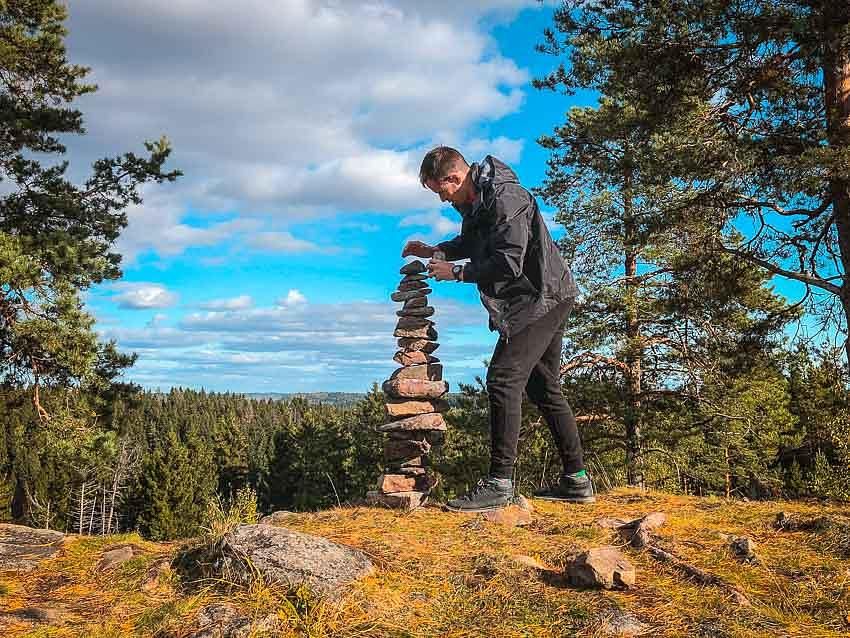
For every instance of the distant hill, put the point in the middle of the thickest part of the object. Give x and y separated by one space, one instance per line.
341 399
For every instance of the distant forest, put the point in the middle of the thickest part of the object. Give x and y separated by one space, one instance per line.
712 172
157 462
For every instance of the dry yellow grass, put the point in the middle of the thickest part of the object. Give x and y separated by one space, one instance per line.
440 574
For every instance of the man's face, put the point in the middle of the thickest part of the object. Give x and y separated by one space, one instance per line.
447 188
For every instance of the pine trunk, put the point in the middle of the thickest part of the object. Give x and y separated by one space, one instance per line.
634 353
836 74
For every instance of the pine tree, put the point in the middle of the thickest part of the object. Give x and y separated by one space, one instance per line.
753 100
659 314
55 236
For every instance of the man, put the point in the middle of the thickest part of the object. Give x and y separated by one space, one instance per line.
528 292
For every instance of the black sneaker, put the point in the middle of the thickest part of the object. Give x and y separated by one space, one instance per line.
570 489
489 494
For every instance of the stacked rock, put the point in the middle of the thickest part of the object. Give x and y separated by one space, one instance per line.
414 404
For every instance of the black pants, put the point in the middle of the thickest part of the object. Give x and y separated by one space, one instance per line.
531 360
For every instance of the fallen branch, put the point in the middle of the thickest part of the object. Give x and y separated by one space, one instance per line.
638 533
696 574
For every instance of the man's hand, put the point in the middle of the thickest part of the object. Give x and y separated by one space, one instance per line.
441 270
418 249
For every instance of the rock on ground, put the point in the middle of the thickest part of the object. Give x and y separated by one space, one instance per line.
744 549
21 548
397 500
284 557
527 562
280 517
621 623
602 567
114 557
33 616
510 516
224 621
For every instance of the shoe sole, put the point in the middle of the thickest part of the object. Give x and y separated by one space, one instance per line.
556 499
477 510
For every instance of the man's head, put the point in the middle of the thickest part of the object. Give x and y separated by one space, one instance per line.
445 171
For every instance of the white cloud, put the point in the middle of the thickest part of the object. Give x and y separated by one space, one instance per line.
292 109
156 225
506 149
439 226
296 346
156 320
284 242
142 296
235 303
293 298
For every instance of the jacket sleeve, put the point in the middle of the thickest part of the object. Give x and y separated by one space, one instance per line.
454 248
509 237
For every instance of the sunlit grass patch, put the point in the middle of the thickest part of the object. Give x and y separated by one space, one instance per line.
440 574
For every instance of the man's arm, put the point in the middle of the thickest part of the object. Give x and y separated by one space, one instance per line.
454 249
510 240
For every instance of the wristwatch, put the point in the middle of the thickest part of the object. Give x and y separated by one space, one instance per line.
457 271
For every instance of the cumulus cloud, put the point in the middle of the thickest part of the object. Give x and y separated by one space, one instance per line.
294 109
156 225
142 296
293 298
157 319
235 303
438 225
284 242
295 346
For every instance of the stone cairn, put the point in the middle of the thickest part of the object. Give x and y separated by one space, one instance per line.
414 404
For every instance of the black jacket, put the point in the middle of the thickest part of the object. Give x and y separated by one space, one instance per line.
519 270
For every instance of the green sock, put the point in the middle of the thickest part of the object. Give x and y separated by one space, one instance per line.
579 474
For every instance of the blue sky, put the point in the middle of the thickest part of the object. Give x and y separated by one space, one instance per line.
299 127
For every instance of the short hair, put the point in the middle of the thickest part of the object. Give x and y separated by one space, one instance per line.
438 162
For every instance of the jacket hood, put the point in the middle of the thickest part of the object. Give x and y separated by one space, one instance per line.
487 174
492 172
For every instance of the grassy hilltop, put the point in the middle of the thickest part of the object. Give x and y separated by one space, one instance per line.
439 574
